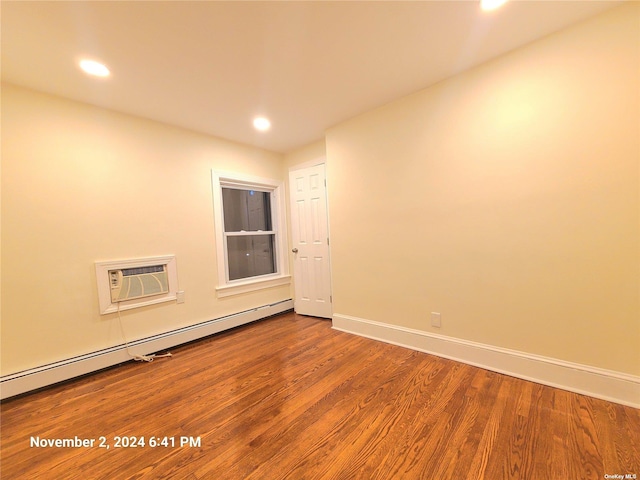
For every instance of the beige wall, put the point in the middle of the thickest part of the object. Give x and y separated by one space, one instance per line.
81 184
506 198
304 155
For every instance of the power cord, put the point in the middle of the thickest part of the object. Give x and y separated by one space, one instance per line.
136 357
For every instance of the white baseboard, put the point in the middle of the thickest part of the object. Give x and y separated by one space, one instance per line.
604 384
28 380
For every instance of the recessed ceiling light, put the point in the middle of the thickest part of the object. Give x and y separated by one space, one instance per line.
94 68
261 123
487 5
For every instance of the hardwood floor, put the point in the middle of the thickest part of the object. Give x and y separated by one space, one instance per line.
288 397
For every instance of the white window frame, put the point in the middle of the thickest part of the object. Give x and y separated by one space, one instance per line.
228 287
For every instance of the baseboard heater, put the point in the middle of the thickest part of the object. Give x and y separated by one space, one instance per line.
28 380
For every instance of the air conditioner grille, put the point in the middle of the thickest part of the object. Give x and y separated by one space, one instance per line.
127 272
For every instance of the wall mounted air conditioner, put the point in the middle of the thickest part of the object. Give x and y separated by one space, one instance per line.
138 282
125 284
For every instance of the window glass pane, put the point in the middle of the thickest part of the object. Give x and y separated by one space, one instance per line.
250 255
247 210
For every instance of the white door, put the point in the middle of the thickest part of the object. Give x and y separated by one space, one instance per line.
310 238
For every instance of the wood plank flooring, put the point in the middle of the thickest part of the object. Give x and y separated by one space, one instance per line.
290 398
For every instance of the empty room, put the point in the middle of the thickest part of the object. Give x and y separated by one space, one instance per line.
320 240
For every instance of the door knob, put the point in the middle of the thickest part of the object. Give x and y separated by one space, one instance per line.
295 250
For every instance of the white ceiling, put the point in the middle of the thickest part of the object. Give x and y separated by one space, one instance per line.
307 65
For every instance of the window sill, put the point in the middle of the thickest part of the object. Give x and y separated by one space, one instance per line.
252 285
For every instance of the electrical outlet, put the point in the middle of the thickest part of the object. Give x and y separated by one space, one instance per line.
435 319
180 296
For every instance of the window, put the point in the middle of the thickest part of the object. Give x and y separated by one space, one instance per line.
248 233
250 236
